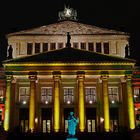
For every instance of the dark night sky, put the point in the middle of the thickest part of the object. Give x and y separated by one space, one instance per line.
121 15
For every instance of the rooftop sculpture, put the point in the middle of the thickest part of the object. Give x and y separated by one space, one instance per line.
68 13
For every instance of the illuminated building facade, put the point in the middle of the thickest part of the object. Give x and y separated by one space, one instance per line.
48 78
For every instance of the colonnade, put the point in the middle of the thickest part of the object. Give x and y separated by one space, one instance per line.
56 101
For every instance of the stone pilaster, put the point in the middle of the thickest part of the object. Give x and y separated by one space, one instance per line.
81 101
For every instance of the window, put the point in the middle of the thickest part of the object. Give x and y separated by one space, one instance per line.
66 125
90 47
24 94
46 126
20 49
75 45
90 95
137 94
52 46
46 95
106 48
83 46
91 125
1 96
113 94
60 45
91 119
98 47
68 95
29 48
37 47
45 47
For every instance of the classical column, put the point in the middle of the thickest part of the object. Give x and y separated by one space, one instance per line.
32 78
104 78
130 102
81 101
8 107
56 98
123 110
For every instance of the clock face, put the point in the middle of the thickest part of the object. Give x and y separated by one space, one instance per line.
68 12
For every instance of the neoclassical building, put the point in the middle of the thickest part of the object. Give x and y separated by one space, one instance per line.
48 75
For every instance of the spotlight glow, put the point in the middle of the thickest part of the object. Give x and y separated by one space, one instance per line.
136 109
101 119
113 102
46 102
90 102
135 96
24 102
68 102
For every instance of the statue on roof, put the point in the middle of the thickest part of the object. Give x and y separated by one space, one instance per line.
127 51
68 44
10 52
68 13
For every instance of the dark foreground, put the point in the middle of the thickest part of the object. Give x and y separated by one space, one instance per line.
17 135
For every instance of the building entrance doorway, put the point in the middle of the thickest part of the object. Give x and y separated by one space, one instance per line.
46 121
114 119
24 119
91 119
66 114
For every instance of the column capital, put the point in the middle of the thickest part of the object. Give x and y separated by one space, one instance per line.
56 75
9 77
32 76
128 75
122 79
80 75
104 75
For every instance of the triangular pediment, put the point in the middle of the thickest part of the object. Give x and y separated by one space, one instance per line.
62 27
